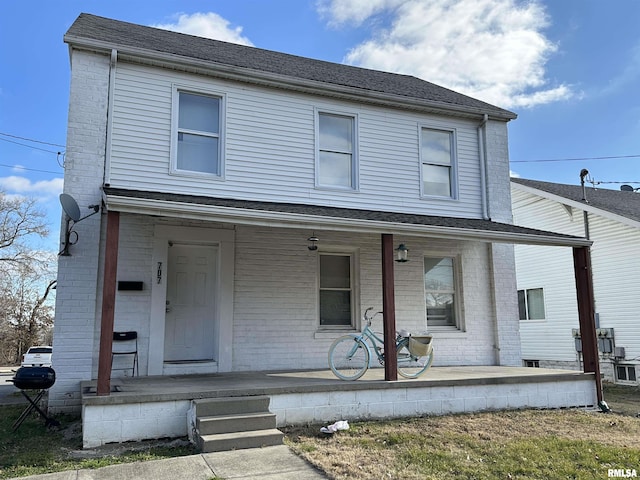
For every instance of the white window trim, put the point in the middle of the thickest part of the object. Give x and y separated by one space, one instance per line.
626 366
459 327
453 175
355 160
175 103
544 304
353 253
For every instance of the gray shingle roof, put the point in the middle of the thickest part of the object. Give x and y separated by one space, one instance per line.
123 35
626 204
487 227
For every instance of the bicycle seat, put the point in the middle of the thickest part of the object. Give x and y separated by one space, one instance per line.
404 333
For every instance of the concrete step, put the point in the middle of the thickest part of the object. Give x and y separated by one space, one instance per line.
236 423
207 407
240 440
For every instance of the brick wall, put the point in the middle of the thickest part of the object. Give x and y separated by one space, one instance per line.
74 333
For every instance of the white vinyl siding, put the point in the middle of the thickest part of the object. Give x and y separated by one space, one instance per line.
615 259
270 142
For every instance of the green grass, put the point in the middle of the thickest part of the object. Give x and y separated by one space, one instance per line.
35 449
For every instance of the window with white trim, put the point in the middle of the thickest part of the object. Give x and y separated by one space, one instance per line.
437 158
440 291
337 161
531 304
197 135
626 373
336 290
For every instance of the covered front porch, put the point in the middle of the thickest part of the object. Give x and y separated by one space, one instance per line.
159 406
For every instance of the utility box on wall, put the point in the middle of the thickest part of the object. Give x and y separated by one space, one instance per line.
605 339
577 338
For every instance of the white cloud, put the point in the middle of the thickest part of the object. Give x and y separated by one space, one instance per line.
21 185
208 25
494 50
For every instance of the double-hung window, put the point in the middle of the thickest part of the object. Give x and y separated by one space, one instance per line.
336 290
437 157
440 291
531 304
197 133
336 162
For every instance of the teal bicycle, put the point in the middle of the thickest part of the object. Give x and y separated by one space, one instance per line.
350 355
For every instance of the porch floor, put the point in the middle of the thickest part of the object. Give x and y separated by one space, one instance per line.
188 387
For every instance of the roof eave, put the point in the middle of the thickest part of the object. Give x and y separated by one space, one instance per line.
247 216
269 79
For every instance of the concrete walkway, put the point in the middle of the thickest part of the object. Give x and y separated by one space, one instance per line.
269 463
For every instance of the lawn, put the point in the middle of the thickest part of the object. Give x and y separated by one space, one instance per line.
526 444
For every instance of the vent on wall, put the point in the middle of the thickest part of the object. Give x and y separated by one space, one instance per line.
130 286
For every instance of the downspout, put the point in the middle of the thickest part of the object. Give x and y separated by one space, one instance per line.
110 100
482 143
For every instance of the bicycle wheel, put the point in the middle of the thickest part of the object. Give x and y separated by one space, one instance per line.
411 366
348 358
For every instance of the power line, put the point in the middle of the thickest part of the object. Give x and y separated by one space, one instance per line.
30 169
31 140
574 159
30 146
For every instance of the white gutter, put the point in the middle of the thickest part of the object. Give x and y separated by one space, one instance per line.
259 77
482 145
110 100
265 218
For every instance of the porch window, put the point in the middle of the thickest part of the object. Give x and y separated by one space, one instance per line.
336 290
531 304
197 130
440 291
336 165
437 156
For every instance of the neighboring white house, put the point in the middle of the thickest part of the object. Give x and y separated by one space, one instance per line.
548 313
214 163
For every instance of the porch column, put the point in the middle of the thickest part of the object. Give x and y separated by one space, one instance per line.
389 310
586 313
108 303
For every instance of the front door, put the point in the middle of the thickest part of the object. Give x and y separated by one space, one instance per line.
191 301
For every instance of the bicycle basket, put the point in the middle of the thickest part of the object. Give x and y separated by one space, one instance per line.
420 346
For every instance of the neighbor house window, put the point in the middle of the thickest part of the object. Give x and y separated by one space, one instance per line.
531 304
626 373
437 156
198 133
336 290
336 164
440 291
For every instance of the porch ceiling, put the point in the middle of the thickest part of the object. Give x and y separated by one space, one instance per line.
288 215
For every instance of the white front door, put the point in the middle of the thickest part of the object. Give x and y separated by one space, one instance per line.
191 303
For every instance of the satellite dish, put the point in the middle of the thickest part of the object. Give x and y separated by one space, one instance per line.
70 206
626 188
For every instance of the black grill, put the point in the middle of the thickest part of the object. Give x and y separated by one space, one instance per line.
34 378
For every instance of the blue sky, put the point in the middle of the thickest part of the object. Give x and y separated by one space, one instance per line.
570 69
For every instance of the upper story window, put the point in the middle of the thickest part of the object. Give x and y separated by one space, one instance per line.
336 290
197 133
440 292
336 165
531 304
437 157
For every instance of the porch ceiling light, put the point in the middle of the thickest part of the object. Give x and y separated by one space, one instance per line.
313 242
402 253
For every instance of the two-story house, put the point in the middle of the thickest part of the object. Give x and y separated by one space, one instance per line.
549 329
251 202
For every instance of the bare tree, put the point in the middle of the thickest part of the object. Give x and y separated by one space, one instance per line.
26 314
20 221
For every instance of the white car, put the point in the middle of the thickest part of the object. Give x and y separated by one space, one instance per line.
38 356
